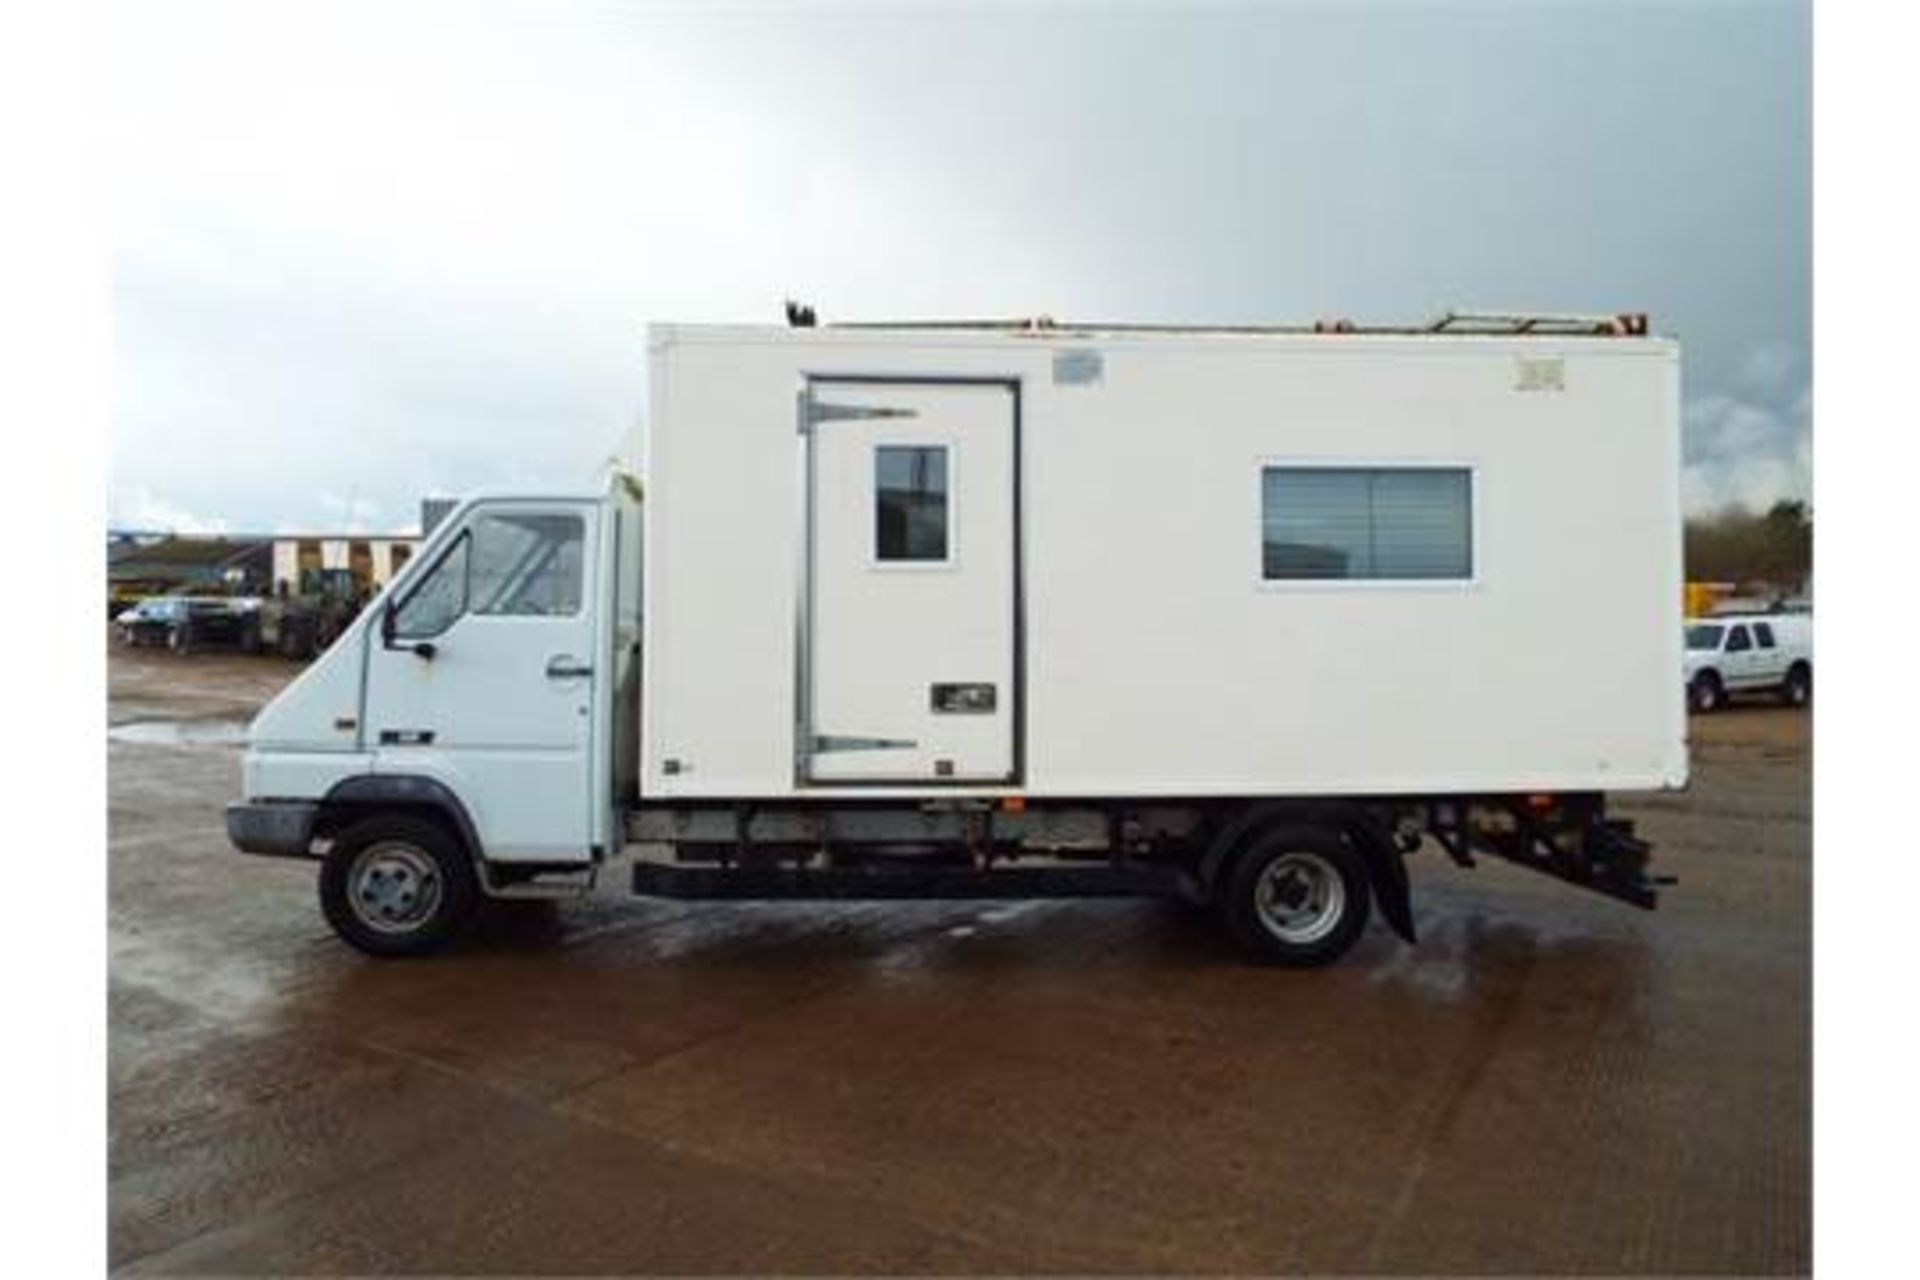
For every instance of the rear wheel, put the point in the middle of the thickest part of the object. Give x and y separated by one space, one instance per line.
1705 694
1797 689
1297 895
397 886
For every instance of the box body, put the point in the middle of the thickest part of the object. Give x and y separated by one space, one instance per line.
1150 652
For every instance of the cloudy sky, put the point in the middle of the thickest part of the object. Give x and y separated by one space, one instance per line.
364 253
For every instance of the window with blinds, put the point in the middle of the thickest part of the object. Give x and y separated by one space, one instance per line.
1373 523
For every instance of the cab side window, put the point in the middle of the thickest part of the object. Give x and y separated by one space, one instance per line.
527 564
1739 641
1764 634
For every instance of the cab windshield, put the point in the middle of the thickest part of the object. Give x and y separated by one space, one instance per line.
1705 636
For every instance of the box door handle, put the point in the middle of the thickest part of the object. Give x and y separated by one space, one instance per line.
562 666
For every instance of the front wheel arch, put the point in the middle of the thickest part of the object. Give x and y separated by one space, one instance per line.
363 795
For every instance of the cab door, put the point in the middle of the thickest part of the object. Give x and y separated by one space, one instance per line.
481 676
1768 666
1740 658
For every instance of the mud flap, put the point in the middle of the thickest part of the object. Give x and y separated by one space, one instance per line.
1388 872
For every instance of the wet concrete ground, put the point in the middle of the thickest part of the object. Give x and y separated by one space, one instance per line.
1549 1082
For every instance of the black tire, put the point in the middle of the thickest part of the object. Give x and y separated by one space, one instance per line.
1252 897
178 640
1706 694
1797 689
395 885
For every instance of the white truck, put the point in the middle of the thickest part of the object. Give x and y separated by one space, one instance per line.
1748 653
1022 610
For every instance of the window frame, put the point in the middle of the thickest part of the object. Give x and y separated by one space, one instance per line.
419 569
1719 630
1739 630
1763 636
948 445
580 603
390 631
1294 462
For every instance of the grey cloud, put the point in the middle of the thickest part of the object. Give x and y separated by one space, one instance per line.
393 250
1753 444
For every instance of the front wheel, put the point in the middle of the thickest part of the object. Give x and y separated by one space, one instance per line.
397 886
1296 896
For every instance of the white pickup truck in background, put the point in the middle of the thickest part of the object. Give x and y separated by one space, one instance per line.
1749 653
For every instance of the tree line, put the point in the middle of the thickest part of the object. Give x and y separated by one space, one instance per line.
1740 546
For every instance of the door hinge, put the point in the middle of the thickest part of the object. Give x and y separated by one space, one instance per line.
816 411
824 742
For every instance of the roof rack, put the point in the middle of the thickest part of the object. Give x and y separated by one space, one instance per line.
1630 325
1482 323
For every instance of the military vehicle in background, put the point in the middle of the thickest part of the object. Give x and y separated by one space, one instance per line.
301 623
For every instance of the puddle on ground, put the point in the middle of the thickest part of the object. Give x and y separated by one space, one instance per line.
180 733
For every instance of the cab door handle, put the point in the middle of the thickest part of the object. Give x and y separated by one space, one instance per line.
563 666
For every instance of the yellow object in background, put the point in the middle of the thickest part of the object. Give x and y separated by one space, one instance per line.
1700 597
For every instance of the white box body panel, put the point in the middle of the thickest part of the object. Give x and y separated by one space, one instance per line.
1154 658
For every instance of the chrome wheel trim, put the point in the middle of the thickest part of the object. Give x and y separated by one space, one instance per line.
1300 898
393 887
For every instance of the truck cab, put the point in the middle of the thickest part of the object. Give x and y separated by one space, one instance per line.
1748 653
472 703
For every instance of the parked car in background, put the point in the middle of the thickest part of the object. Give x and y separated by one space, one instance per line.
185 623
1749 653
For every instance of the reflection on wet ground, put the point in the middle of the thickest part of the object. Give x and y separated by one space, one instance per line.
1547 1083
179 733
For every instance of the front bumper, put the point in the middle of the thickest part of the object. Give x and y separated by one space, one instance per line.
275 829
